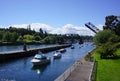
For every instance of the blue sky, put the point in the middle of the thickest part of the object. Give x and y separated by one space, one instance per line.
57 13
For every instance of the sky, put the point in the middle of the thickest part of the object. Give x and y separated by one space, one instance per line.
57 16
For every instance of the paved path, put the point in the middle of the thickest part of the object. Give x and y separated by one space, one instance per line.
82 72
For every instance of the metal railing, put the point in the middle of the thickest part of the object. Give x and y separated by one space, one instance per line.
92 76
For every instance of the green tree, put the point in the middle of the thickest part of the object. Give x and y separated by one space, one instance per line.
103 37
108 21
41 31
108 43
113 23
28 38
7 37
46 34
1 35
49 40
20 39
14 37
108 50
37 38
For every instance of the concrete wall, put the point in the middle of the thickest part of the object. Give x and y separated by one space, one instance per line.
20 54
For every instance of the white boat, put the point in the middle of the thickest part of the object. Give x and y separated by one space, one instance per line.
57 55
62 50
72 47
40 59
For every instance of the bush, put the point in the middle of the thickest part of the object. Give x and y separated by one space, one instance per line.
108 50
103 37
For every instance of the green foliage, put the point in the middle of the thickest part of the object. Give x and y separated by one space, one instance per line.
107 70
14 37
21 31
49 39
109 47
1 35
37 38
103 37
28 38
113 23
107 41
7 37
108 50
20 39
13 34
109 20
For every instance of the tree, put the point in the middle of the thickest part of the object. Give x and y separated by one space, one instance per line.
20 39
14 37
108 21
1 35
37 38
46 34
108 43
113 23
7 37
108 50
41 33
103 37
28 38
49 40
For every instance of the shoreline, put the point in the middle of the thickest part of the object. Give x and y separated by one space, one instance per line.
19 43
20 54
81 70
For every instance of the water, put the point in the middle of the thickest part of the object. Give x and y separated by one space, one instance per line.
20 47
23 70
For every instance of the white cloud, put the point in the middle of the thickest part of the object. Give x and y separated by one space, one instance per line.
35 26
100 27
71 29
66 29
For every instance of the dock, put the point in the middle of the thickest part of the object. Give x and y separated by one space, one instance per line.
6 56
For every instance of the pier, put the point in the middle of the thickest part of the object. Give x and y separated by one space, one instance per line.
6 56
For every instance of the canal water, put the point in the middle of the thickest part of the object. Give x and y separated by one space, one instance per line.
20 47
23 70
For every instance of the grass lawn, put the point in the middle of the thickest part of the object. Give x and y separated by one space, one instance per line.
107 69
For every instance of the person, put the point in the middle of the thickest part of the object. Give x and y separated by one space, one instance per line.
24 47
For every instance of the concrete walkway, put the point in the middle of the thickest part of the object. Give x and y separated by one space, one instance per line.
82 71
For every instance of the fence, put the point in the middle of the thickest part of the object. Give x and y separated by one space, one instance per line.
93 72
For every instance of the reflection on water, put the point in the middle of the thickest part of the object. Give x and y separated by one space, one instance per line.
39 69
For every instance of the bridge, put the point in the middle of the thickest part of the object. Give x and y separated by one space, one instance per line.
92 27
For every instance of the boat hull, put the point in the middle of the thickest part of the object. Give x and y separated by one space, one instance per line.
57 57
40 62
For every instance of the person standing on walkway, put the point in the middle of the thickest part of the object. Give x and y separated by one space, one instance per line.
24 47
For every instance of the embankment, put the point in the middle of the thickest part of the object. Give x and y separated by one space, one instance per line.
20 54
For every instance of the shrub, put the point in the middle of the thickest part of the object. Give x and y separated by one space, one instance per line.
103 37
108 50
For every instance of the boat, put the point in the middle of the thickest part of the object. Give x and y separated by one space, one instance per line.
72 47
57 55
62 50
40 59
